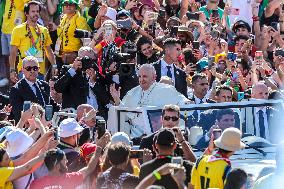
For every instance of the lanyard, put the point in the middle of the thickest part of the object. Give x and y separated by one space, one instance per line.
30 35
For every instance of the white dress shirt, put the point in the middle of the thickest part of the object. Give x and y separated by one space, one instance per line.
92 99
31 84
164 69
256 122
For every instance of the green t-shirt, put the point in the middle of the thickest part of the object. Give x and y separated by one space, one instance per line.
220 12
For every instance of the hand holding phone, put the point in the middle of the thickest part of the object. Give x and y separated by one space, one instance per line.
217 133
100 128
26 105
136 154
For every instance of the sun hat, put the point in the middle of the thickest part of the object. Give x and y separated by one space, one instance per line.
230 140
111 14
121 137
69 127
18 142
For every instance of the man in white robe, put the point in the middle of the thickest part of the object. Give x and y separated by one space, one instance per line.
148 93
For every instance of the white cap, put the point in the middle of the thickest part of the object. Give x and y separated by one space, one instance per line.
18 142
69 127
111 13
120 137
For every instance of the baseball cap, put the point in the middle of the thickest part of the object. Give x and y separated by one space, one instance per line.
123 12
240 24
87 150
121 137
165 137
69 127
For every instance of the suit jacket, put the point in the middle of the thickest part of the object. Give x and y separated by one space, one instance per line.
180 78
273 118
208 119
4 100
192 120
102 94
21 92
74 89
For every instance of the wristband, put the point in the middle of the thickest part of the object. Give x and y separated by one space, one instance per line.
157 175
255 18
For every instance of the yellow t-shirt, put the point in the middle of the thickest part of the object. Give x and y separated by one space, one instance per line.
13 15
5 173
21 39
66 31
207 174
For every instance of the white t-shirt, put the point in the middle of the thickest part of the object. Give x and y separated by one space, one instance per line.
245 11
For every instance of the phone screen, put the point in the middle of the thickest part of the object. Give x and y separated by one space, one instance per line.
195 44
136 154
26 105
217 133
48 112
101 128
177 160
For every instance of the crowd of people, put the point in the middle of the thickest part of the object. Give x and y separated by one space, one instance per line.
66 63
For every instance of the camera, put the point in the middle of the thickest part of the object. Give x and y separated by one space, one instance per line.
87 63
83 34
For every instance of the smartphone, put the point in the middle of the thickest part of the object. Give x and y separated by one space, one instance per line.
241 96
177 160
217 133
192 16
235 76
215 34
195 44
56 134
279 53
125 24
100 128
108 29
211 60
162 13
234 11
26 105
258 55
215 13
231 56
48 112
274 25
152 15
136 154
173 32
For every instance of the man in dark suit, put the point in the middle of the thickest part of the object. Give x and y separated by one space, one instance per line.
200 88
207 118
81 84
265 120
30 89
225 118
166 66
170 119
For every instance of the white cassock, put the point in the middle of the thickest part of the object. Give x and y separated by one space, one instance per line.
158 94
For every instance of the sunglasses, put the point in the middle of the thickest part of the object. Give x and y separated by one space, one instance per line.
167 118
30 68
